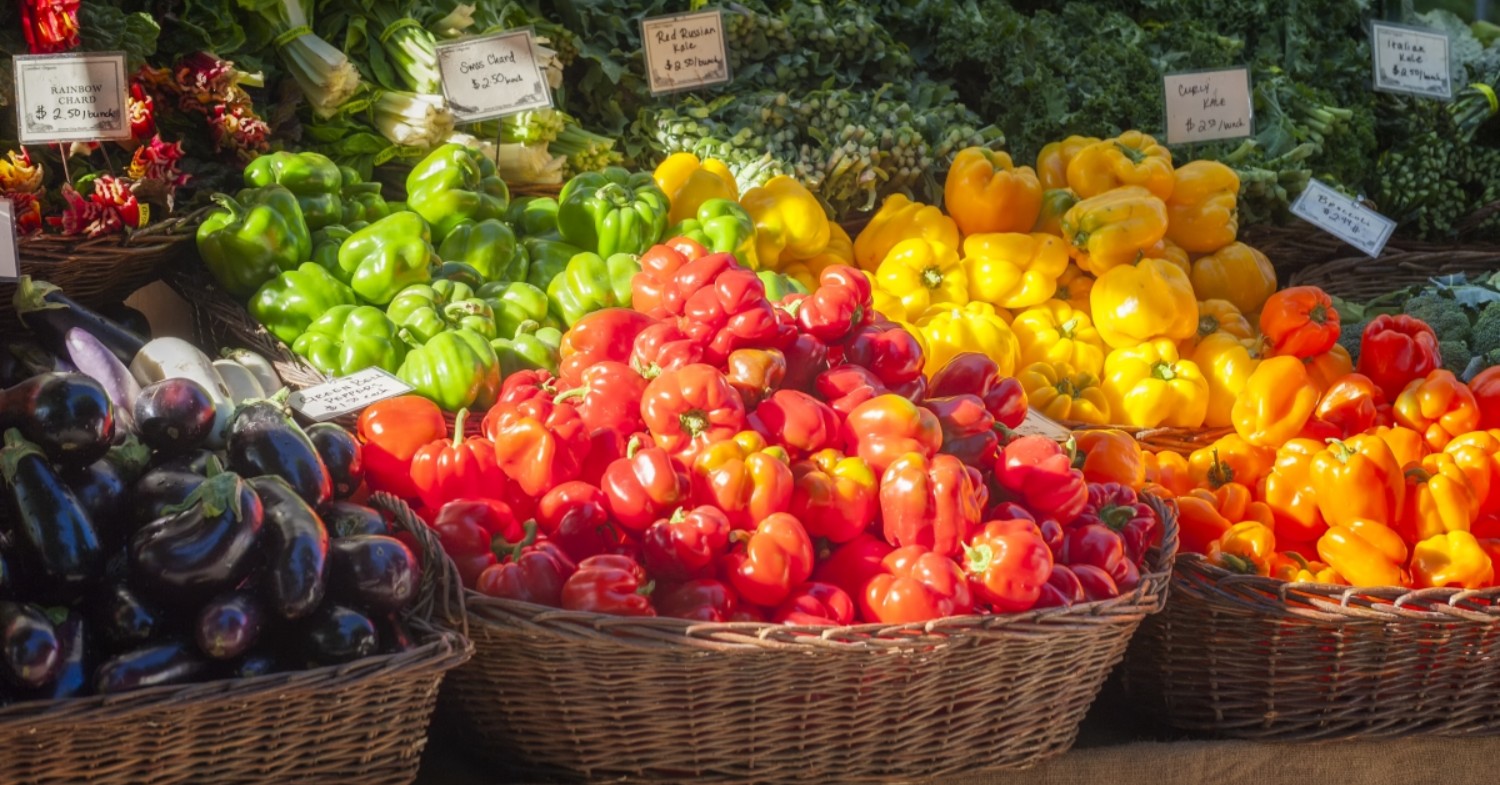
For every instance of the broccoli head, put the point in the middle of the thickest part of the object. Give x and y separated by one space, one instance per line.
1485 337
1444 315
1455 355
1349 337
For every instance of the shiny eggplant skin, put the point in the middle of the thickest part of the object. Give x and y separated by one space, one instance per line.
373 573
123 620
169 483
256 663
74 671
6 577
174 415
68 415
346 519
296 546
106 489
31 654
342 456
204 549
170 662
335 635
263 440
55 542
229 625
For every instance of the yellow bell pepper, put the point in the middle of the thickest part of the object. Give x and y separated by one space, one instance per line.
1171 252
1055 204
1202 215
1114 228
1144 301
1365 552
899 218
840 250
1052 162
689 182
1237 273
1150 386
1451 559
1074 287
1227 362
1061 392
1054 332
1230 459
1220 316
789 222
949 330
922 274
1330 366
986 192
1247 548
1439 498
1132 158
886 304
1276 403
1293 567
1013 270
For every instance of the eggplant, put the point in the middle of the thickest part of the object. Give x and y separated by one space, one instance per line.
335 635
174 415
263 440
173 662
296 549
258 366
229 625
206 548
174 358
342 456
122 620
373 573
74 671
55 541
6 580
259 663
169 484
96 362
346 519
241 383
21 359
105 488
394 638
68 414
126 317
30 653
50 314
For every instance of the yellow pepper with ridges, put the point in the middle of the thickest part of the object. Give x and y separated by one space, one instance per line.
1054 332
1451 559
1130 159
1060 391
1276 403
1202 215
950 330
922 274
1365 552
1144 301
1013 270
1247 548
840 250
899 218
1227 362
1220 316
1114 228
986 192
1171 252
688 182
1052 162
1237 273
789 222
1439 498
1055 204
1074 287
1149 385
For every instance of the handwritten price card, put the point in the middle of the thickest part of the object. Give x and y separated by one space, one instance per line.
1411 60
71 98
347 394
1343 218
685 51
10 259
492 76
1203 106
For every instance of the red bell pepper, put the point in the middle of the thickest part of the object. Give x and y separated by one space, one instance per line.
968 428
467 529
835 496
391 431
755 374
916 585
608 396
575 517
1393 350
602 335
840 304
806 359
797 421
606 445
1008 564
851 566
816 605
532 571
732 313
527 384
644 486
1063 589
1350 405
698 274
1096 583
1118 507
686 546
457 468
1097 545
888 350
914 390
538 443
691 407
743 476
887 427
663 347
658 266
847 386
929 502
976 374
609 584
1053 534
1040 472
764 565
704 599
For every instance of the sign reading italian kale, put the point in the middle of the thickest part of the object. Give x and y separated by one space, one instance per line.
1411 60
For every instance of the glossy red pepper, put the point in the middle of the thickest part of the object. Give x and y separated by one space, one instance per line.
1118 508
704 599
1040 472
527 384
575 517
1097 545
608 396
1394 350
1008 563
916 585
532 571
457 468
929 502
602 335
840 305
691 407
847 386
888 350
816 605
1349 406
659 264
731 313
851 565
663 347
968 429
743 476
756 374
797 421
1063 589
1096 583
914 390
887 427
688 545
837 497
644 486
764 565
976 374
539 444
467 529
391 431
806 359
609 584
606 445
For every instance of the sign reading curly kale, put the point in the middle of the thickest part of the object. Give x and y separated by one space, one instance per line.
493 76
71 97
1411 60
685 51
1206 105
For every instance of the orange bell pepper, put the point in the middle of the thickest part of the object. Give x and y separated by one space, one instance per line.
1227 362
1130 159
1451 559
1247 548
1486 389
1230 459
1439 407
1073 288
1406 444
1293 567
1349 405
1481 466
1288 491
1110 455
1330 366
1365 552
1300 321
1235 272
1358 478
1203 211
986 192
1276 403
1052 162
1168 470
1199 523
1439 499
1236 503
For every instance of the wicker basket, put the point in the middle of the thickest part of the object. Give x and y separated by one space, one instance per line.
1256 658
365 722
1361 279
561 693
1294 247
519 190
1181 440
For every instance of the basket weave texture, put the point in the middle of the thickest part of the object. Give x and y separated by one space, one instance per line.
1361 278
1255 658
365 722
561 693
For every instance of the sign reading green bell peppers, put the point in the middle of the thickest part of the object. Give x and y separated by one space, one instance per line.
348 394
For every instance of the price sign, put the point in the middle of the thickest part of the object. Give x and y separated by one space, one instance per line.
10 257
1343 218
493 76
1203 106
1411 60
685 51
71 97
347 394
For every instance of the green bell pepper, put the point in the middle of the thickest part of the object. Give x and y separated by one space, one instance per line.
426 310
251 240
515 303
291 301
363 202
591 283
387 256
533 347
313 177
454 184
350 338
488 246
456 370
778 286
721 226
326 243
548 258
534 216
460 272
612 212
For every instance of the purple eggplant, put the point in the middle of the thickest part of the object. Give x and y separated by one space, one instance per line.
335 635
50 314
75 668
373 573
263 440
54 540
206 548
296 550
169 483
229 625
172 662
341 455
346 519
30 653
122 619
67 414
106 488
174 415
95 361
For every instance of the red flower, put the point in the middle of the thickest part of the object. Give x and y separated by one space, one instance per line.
19 173
84 217
237 129
26 210
158 161
142 110
50 25
112 193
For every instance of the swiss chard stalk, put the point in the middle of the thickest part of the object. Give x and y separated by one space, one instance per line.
324 74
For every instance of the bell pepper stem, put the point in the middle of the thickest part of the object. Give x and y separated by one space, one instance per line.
458 427
978 557
694 422
508 552
568 395
633 446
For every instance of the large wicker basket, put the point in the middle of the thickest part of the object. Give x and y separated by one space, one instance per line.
1256 658
1360 279
365 722
560 693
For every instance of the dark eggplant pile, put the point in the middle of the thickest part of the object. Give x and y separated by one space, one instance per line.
155 531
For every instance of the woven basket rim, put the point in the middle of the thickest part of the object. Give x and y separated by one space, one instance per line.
174 229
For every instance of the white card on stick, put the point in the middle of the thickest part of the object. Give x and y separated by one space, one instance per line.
71 98
1343 218
1204 106
685 51
347 394
493 76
